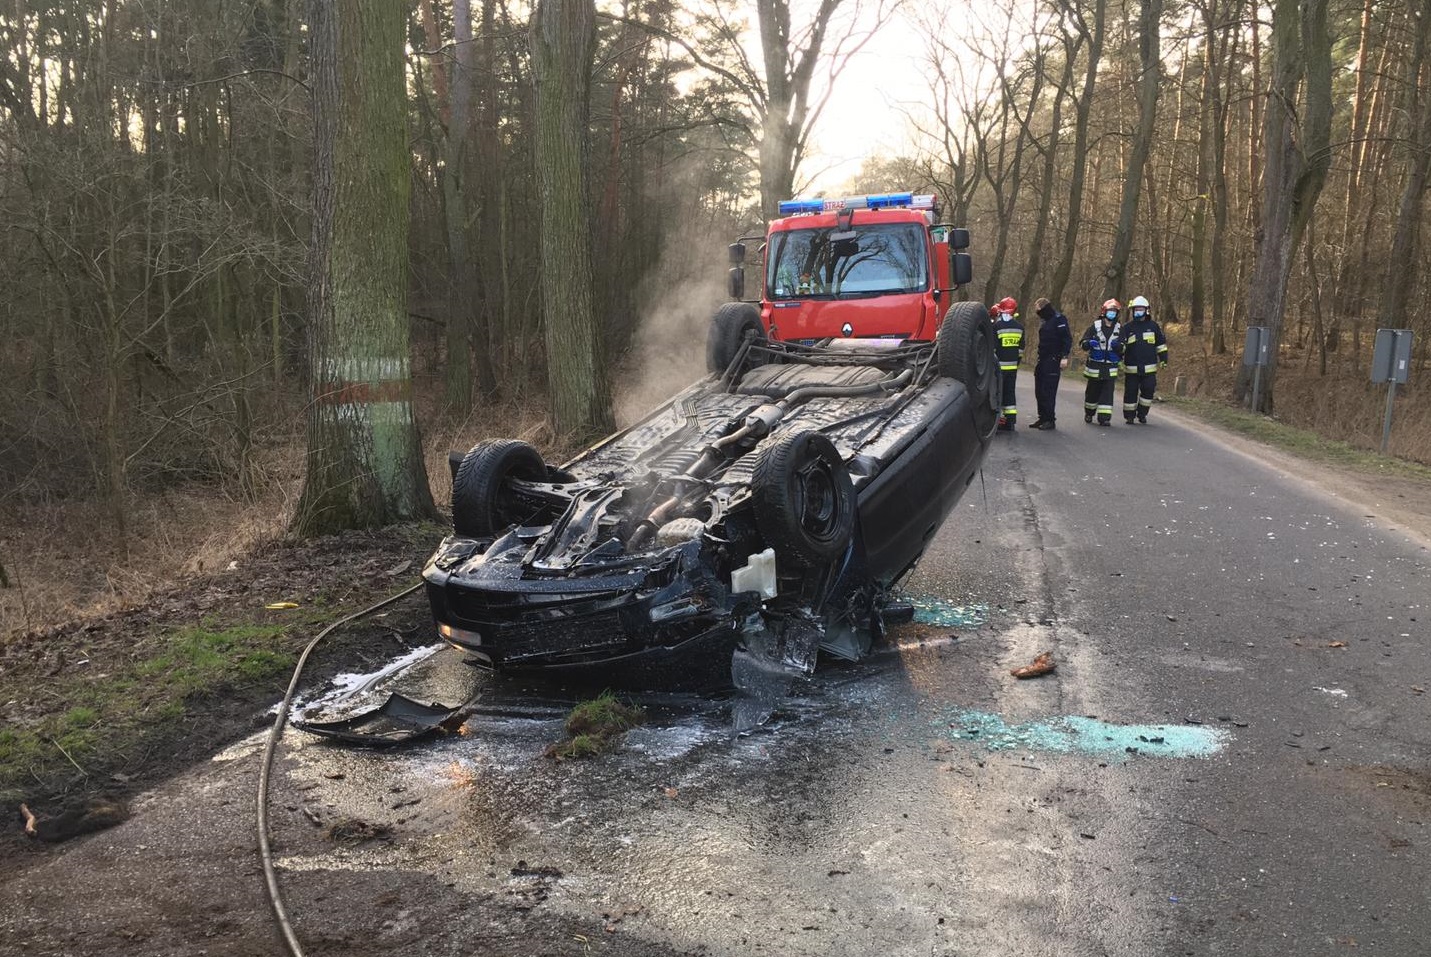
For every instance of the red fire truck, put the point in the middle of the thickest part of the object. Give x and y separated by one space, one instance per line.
863 267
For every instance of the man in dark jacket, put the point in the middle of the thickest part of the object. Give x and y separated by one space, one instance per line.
1145 351
1055 342
1104 344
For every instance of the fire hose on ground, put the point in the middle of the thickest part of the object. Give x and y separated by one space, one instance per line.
265 852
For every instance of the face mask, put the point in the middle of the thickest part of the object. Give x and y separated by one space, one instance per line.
1111 314
1138 313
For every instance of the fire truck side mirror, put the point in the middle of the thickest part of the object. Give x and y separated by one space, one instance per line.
961 267
735 279
958 237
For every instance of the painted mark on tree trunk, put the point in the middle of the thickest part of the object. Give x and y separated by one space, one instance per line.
1073 734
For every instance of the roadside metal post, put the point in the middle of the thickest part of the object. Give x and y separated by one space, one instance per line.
1254 354
1390 363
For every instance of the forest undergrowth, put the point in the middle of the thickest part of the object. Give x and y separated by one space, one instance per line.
1341 406
64 562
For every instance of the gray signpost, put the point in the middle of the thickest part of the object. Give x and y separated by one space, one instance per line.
1390 363
1254 354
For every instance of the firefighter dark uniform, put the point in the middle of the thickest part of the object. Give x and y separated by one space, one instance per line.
1104 345
1055 342
1009 349
1145 351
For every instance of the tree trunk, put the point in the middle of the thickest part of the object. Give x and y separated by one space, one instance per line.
563 37
1298 155
1149 74
365 466
1046 185
1404 262
1220 203
786 111
1078 174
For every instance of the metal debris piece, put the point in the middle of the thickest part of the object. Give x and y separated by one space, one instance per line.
396 721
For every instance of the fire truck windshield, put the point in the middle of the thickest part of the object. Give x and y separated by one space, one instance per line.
828 263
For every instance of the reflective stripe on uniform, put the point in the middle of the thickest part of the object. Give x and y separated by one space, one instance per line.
1008 367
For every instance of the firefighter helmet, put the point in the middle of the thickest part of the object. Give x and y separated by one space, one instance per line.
1111 308
1007 304
1139 307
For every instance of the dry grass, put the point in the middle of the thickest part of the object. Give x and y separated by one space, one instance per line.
525 420
64 561
1343 405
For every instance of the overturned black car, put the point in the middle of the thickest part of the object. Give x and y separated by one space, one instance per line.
771 507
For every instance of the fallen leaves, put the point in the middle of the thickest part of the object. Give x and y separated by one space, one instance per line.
1041 665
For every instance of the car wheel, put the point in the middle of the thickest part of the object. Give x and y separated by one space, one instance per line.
482 505
803 498
729 327
966 353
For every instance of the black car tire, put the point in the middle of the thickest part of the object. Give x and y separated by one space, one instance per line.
480 507
727 334
803 498
966 353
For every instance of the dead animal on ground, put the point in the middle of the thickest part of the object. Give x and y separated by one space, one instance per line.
96 815
1041 665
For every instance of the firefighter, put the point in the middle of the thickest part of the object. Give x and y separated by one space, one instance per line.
1104 344
1145 351
1009 348
1055 342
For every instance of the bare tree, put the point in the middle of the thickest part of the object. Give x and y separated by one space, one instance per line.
1149 75
1211 174
1091 35
1403 265
1297 138
365 464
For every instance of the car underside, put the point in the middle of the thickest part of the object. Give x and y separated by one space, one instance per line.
771 508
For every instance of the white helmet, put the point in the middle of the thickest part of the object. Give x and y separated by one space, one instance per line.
1139 302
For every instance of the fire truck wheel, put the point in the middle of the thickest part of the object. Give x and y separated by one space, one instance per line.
966 353
728 330
482 505
803 499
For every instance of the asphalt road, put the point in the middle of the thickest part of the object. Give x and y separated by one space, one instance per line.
1231 758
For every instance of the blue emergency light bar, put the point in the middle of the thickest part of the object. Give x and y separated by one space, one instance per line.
796 207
